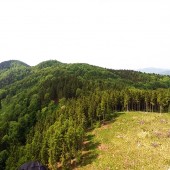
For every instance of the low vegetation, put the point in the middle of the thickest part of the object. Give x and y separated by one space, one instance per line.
133 140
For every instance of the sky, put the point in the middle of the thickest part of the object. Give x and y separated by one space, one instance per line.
118 34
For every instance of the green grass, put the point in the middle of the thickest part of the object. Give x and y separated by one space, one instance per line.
138 141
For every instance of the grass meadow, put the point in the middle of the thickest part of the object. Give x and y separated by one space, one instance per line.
132 141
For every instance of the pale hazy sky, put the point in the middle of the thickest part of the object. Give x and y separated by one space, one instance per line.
110 33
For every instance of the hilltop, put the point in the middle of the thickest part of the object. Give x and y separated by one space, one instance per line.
12 71
48 63
12 64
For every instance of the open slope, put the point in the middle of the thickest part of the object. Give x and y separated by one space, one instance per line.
133 140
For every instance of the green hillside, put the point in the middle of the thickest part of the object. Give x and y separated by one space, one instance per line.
46 110
12 64
12 71
132 140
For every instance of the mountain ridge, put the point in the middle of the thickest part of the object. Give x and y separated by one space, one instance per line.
48 63
131 77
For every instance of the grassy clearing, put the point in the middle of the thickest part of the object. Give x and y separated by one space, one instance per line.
132 141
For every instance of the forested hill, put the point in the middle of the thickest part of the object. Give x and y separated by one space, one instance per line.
46 110
11 71
12 64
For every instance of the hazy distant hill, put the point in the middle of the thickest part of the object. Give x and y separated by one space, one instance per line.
155 70
167 72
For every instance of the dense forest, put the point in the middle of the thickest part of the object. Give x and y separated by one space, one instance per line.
46 110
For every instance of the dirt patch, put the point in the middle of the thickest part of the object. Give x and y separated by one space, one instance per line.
163 121
86 142
155 144
103 147
105 127
141 122
161 134
129 164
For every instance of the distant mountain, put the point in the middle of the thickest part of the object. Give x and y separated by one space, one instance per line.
48 63
155 70
167 72
12 71
12 64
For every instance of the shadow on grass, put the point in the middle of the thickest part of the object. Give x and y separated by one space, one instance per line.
117 114
89 153
113 117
